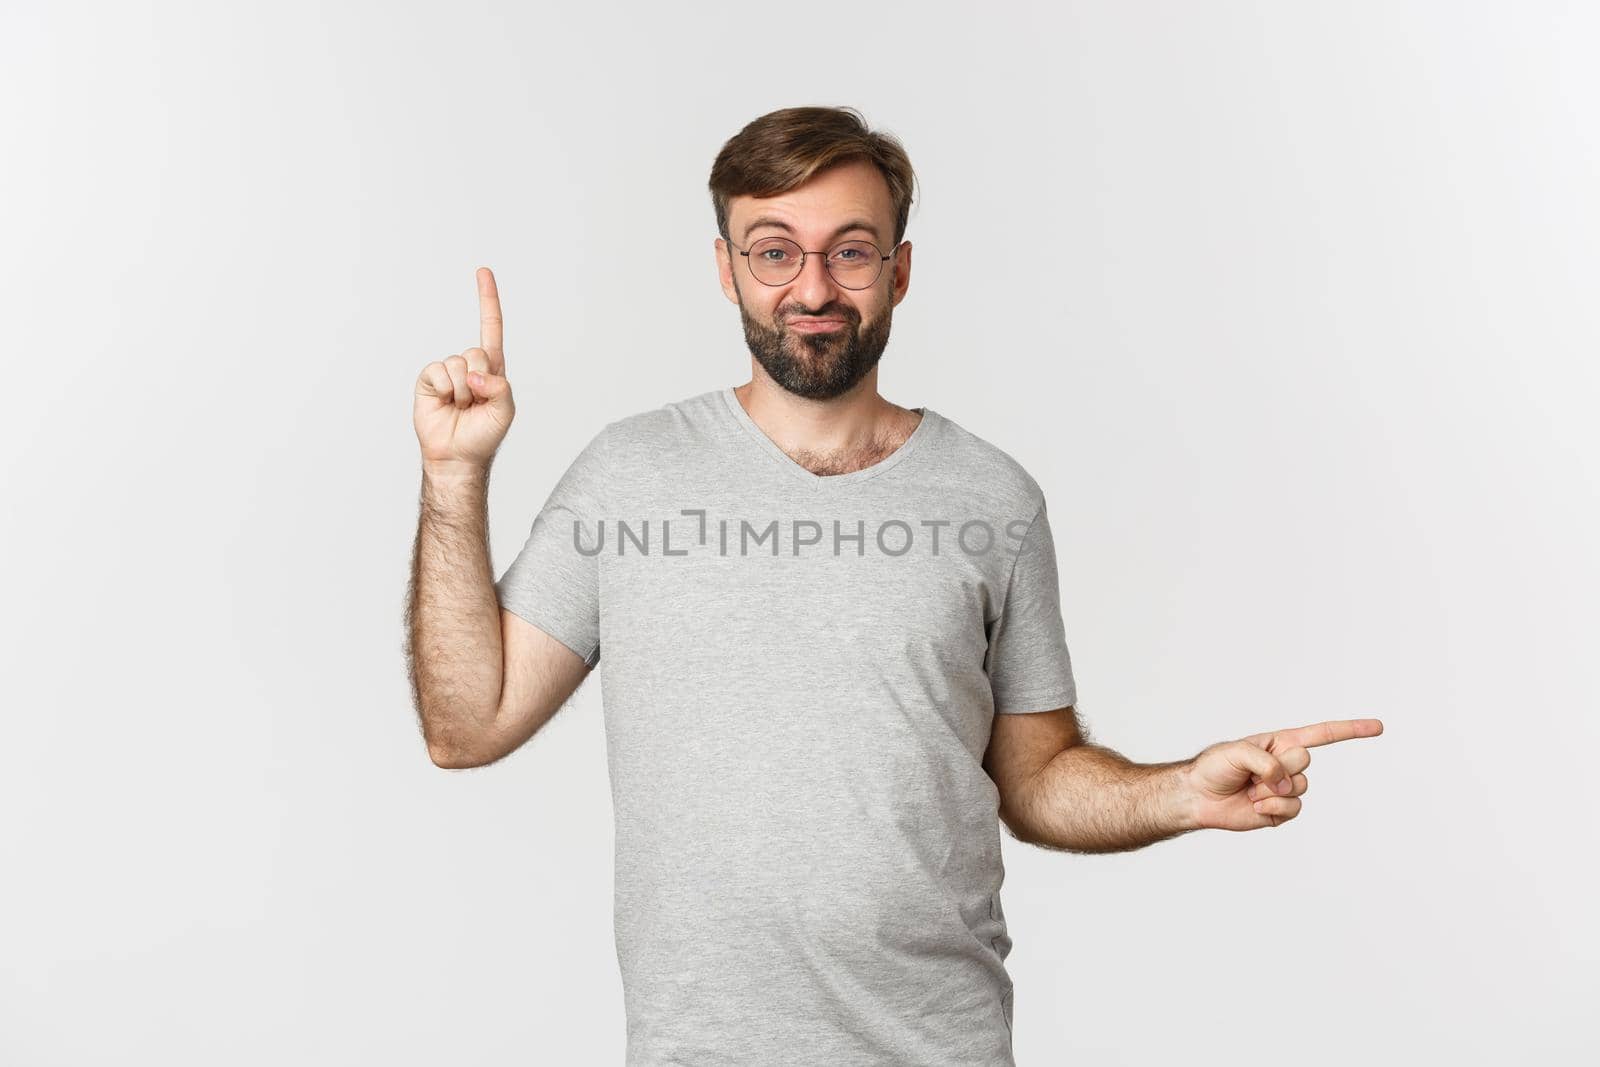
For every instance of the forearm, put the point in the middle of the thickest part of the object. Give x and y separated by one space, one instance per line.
1090 799
456 658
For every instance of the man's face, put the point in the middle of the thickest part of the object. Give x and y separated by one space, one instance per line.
819 361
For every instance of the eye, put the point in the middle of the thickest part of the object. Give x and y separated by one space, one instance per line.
849 255
773 255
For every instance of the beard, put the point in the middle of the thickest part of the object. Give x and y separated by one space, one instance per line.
817 366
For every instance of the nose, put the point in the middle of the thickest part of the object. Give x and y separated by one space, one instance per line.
815 287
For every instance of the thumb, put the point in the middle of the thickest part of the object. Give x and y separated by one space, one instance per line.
486 386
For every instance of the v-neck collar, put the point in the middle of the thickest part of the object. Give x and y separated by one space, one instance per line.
924 429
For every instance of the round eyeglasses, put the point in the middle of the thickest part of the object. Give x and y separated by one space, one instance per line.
779 261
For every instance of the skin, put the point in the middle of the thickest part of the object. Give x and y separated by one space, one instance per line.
1059 791
485 680
837 422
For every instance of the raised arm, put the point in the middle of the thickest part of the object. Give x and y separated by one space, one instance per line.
483 680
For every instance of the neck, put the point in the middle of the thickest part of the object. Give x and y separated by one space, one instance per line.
833 436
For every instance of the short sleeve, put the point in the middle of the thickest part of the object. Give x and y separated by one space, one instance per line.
554 583
1028 663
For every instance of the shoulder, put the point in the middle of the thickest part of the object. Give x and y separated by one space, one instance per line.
972 460
661 429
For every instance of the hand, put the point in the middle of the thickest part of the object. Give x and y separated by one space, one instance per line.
463 403
1257 782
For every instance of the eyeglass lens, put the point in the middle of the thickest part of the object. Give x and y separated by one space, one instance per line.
853 264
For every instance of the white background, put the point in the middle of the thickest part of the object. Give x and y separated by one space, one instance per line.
1289 307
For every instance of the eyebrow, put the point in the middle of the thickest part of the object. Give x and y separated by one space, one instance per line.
853 224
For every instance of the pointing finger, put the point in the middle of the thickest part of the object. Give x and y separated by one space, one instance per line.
1322 733
1326 733
490 325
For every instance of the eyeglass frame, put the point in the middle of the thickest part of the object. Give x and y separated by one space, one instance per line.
803 254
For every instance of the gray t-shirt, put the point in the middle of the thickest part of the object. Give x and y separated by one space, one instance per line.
799 681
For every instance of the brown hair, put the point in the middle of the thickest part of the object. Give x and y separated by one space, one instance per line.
783 149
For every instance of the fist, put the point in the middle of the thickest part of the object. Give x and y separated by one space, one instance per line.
463 405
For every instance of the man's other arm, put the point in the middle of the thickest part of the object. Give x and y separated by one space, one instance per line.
1059 791
484 679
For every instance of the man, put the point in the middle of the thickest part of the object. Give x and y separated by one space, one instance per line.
834 652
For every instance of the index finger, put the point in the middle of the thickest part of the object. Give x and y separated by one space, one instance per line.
1322 733
490 325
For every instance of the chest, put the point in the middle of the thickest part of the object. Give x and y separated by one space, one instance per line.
798 592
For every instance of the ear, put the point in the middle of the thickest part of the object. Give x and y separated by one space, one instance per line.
723 252
902 271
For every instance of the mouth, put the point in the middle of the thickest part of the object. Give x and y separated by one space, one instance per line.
815 325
